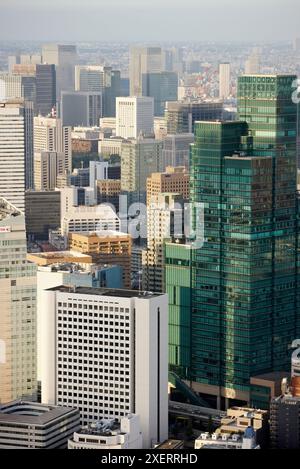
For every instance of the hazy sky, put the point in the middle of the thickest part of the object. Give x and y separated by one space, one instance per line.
138 20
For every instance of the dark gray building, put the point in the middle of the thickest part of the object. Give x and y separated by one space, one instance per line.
79 108
181 116
161 86
285 422
45 89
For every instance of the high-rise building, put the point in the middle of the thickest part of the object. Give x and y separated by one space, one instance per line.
16 150
10 86
134 116
176 150
252 65
162 87
23 59
297 44
100 79
18 309
85 219
143 60
81 108
173 60
51 135
64 57
173 180
47 166
42 213
245 274
181 116
164 222
139 159
38 83
224 80
128 372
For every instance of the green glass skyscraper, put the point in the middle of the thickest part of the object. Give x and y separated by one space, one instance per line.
244 278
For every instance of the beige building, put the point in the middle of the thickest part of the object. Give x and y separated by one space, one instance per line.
47 166
59 257
18 360
176 180
164 221
105 247
139 159
51 135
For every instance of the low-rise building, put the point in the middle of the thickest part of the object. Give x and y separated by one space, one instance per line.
29 425
109 434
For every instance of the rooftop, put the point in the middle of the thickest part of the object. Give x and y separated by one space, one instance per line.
31 413
116 292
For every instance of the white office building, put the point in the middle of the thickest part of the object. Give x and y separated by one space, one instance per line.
10 86
109 434
84 219
16 150
134 116
105 352
224 80
51 135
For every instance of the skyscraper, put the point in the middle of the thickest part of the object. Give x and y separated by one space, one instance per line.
18 308
224 77
64 57
107 374
47 166
162 87
51 135
181 116
81 108
244 305
134 116
143 60
101 79
16 150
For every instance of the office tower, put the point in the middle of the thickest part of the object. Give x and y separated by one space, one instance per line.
51 135
178 286
139 159
252 64
297 44
285 410
224 80
101 79
105 247
84 219
18 309
162 87
23 59
160 128
16 150
143 60
181 117
176 150
254 248
10 86
64 57
81 108
109 434
45 88
134 116
173 60
128 373
47 166
38 85
110 146
42 213
164 222
28 425
173 180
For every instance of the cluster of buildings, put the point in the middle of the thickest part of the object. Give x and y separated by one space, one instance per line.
105 285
